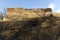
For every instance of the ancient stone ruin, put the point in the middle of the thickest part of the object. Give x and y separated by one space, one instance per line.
21 13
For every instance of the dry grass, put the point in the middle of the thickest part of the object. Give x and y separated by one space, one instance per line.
31 29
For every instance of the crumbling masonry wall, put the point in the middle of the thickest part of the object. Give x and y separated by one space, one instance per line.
21 13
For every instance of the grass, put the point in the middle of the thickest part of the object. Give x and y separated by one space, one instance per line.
30 29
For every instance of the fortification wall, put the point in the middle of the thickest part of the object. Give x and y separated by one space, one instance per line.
21 13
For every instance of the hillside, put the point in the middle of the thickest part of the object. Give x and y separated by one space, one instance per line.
45 27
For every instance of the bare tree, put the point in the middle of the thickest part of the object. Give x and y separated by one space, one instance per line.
1 16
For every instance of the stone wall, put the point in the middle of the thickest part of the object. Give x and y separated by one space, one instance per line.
21 13
56 14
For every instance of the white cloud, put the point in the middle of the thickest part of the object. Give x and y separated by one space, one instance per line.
58 11
52 5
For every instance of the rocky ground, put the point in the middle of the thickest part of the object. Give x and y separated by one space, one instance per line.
41 28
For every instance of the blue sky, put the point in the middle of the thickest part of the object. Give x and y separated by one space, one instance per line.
54 4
